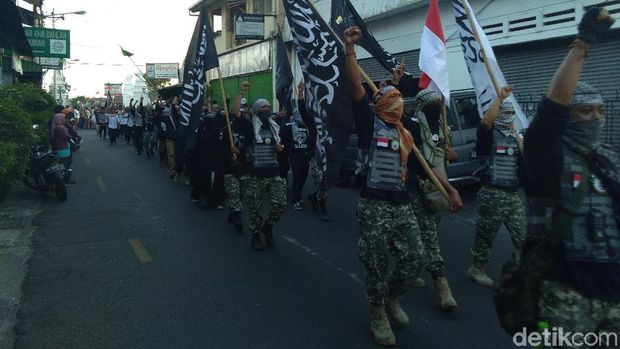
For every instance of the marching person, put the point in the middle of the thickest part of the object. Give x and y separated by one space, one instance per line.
169 126
265 181
137 114
387 222
236 164
570 264
318 199
102 123
113 125
296 138
434 142
498 198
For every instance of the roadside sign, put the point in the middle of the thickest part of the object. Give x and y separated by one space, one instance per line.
249 27
162 70
114 89
50 63
48 42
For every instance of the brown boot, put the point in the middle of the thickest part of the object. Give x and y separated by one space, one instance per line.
445 294
380 326
395 312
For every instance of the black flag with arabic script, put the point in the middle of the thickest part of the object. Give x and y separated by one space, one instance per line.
328 98
284 76
344 16
201 56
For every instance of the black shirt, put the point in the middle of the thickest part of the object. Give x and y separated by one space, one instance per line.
544 164
242 134
263 172
365 124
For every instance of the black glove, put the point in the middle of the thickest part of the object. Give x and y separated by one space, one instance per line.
591 28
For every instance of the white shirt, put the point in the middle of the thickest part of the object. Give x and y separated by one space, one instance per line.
123 119
113 121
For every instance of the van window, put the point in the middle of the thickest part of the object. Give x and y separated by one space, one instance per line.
467 112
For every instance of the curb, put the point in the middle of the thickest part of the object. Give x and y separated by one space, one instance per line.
17 212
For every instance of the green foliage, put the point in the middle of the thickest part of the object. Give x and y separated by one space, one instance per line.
153 85
21 106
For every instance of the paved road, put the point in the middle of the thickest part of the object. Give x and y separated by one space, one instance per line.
129 262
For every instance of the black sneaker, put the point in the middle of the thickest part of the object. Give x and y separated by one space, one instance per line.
313 202
268 234
257 244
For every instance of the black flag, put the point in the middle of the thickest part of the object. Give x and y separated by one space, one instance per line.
328 98
284 77
201 56
344 16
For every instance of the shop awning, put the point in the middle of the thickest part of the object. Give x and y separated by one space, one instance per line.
11 30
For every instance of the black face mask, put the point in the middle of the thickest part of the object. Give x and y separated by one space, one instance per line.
432 110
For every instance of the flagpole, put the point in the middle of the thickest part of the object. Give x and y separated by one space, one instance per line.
487 64
230 137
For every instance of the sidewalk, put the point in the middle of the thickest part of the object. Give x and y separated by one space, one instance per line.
17 212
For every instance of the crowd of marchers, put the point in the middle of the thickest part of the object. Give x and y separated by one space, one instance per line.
566 266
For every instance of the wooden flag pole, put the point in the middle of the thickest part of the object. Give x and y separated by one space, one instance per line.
487 64
416 151
230 136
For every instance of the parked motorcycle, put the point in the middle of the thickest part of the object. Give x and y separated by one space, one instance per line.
44 173
75 143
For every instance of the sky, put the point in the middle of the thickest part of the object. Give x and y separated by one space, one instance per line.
155 31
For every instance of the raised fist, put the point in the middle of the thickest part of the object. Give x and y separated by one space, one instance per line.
352 35
594 23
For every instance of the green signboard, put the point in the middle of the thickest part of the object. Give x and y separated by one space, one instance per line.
48 42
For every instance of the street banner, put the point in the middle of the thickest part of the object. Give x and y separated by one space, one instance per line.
201 56
284 77
433 60
480 78
328 98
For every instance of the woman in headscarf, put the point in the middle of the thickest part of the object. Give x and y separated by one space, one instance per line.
60 141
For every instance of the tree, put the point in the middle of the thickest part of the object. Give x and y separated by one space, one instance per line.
153 85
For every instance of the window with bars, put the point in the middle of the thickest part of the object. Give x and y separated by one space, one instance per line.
262 6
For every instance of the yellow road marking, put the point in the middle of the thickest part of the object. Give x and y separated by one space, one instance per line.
101 185
140 251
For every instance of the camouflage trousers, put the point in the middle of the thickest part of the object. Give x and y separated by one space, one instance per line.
385 229
429 227
316 172
563 307
260 188
497 207
235 187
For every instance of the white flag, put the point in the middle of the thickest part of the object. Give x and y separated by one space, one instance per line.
483 85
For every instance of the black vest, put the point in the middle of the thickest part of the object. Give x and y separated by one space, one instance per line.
583 219
264 153
383 161
502 164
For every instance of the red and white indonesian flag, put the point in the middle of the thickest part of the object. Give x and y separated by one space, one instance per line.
478 72
433 57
